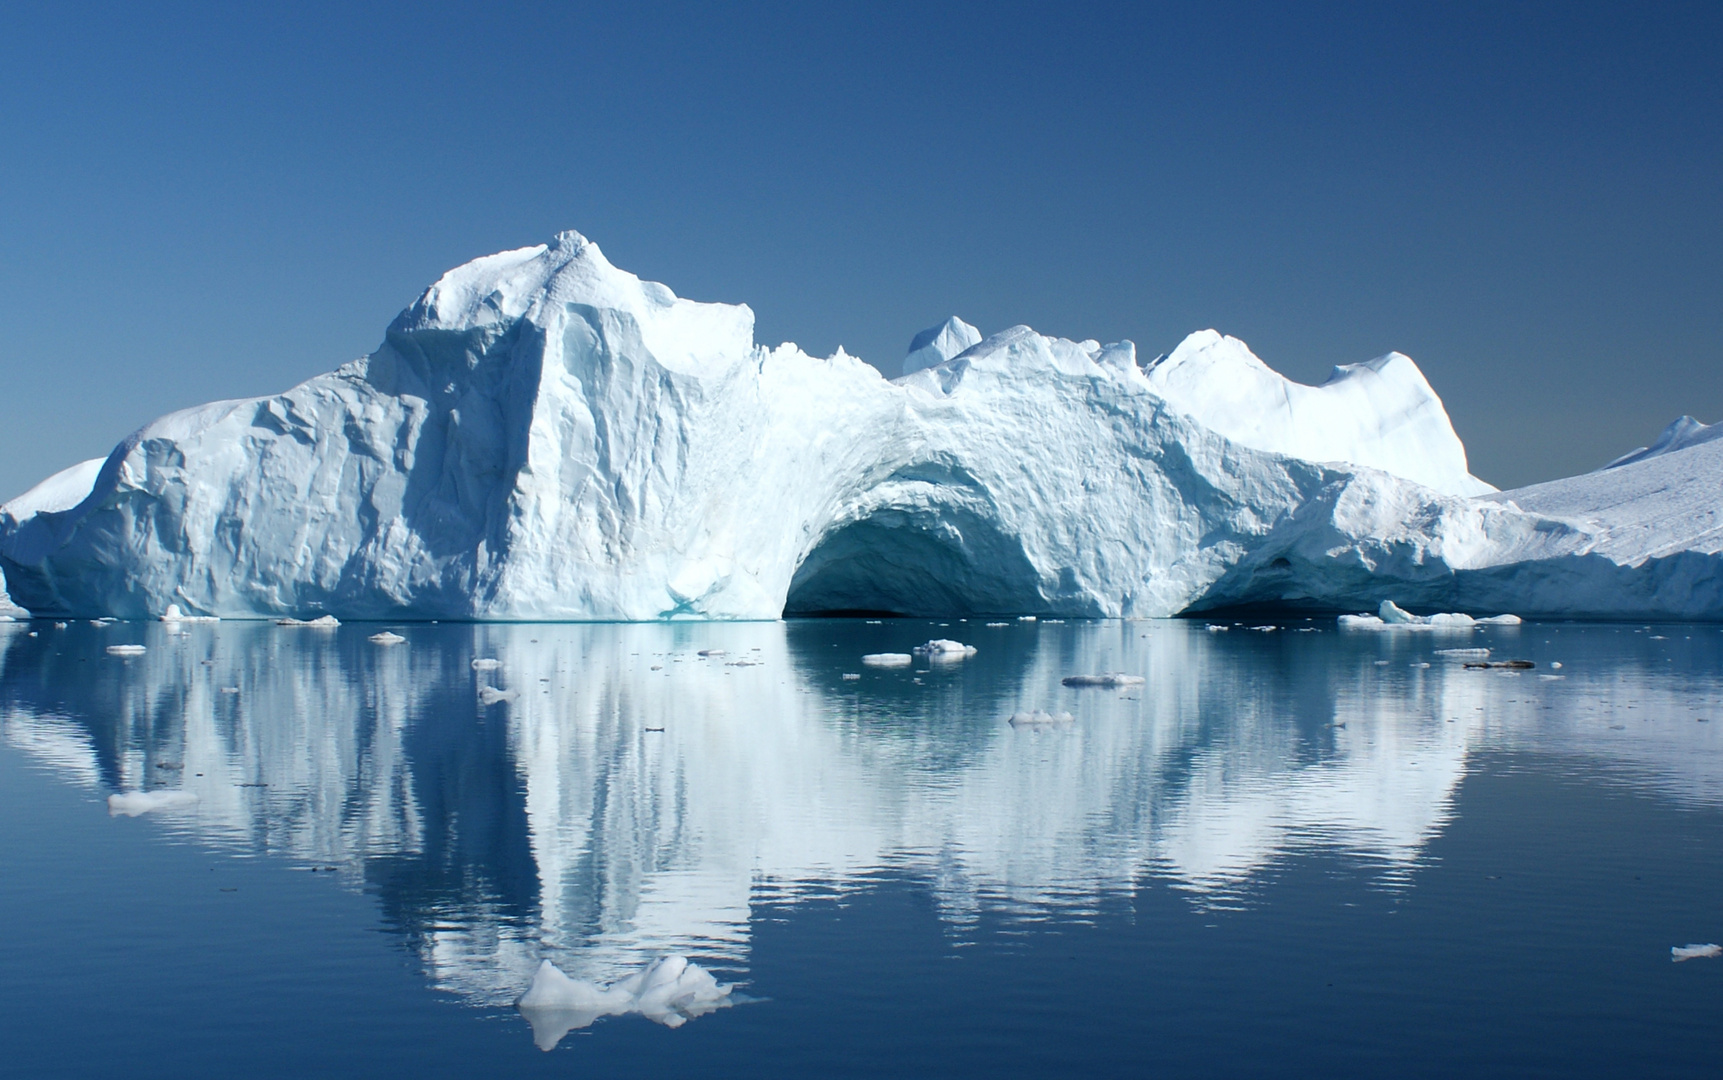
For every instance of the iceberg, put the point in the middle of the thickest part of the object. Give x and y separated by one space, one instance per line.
542 435
136 803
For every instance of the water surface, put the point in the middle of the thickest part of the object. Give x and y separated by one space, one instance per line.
1296 851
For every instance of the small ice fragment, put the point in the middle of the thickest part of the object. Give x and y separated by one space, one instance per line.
1039 718
669 991
1217 628
486 664
230 689
1111 679
876 622
386 638
1422 664
850 676
1500 620
710 652
1555 663
322 622
998 624
945 650
133 803
1381 663
175 615
490 695
1463 653
888 659
1678 953
1265 629
125 650
1025 618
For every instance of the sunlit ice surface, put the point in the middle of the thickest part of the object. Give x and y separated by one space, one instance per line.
742 849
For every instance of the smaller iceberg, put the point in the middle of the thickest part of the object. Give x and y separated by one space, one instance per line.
490 695
322 622
945 650
670 991
1039 718
174 615
126 650
1391 616
888 659
133 803
386 638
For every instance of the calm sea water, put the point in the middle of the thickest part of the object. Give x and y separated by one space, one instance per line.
1290 852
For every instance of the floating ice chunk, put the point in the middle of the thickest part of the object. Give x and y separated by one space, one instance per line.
133 803
998 624
1555 663
1039 718
486 664
851 676
1392 616
386 638
1465 654
945 650
670 991
174 615
230 689
322 622
710 652
490 695
1112 679
126 650
888 659
1025 618
1678 953
1217 628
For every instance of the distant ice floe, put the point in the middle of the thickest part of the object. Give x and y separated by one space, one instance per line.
386 638
945 650
670 991
322 622
133 803
1678 953
126 650
888 659
1112 679
1392 616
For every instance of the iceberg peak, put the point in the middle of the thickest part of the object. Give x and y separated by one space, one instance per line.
937 344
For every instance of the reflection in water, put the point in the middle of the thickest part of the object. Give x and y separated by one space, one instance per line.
620 797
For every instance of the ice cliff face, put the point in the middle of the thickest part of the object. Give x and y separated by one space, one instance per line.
544 436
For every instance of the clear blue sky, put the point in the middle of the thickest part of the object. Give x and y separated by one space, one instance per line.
218 201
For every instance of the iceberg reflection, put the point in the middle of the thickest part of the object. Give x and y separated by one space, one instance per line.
648 785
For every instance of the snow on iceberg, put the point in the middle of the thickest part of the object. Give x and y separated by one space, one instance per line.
1382 414
670 991
544 436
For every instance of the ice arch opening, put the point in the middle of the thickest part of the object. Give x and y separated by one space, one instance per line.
916 561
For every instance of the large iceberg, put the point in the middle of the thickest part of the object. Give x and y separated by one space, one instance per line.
544 436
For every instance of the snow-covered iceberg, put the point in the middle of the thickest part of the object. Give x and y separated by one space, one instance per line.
544 436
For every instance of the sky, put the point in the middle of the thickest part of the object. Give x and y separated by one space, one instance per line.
212 201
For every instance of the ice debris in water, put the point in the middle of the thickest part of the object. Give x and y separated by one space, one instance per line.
851 676
133 803
1465 654
1112 679
670 991
1391 616
387 638
1040 718
888 659
1678 953
490 695
322 622
126 650
174 615
710 652
486 664
944 650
